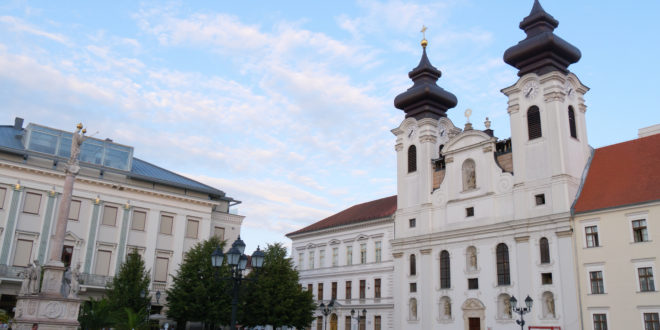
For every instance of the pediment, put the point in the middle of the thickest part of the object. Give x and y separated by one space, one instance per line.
70 236
472 304
467 139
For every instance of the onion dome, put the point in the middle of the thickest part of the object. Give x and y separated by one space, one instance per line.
542 51
425 99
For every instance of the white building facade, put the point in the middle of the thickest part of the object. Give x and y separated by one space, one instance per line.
120 203
346 258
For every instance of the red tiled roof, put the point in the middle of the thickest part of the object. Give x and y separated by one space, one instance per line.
379 208
622 174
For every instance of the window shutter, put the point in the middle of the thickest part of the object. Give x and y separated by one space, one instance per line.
166 224
74 210
32 203
23 252
219 232
534 123
109 215
191 228
103 262
139 218
161 269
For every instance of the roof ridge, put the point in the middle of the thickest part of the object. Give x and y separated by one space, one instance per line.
177 174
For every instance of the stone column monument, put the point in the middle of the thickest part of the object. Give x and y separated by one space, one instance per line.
53 305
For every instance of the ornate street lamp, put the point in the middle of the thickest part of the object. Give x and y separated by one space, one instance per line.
237 262
521 310
360 317
326 310
143 294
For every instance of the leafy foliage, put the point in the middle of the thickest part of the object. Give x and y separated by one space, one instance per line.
126 287
127 319
276 298
95 314
198 292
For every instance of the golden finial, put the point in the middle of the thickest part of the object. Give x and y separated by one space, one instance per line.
423 31
17 186
97 200
79 126
84 130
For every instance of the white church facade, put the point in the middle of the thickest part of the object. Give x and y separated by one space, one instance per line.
480 219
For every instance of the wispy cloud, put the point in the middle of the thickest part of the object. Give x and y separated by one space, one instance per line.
16 24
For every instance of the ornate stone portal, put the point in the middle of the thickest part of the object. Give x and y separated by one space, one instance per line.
53 306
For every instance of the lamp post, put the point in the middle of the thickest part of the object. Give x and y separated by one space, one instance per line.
237 262
521 310
359 317
326 310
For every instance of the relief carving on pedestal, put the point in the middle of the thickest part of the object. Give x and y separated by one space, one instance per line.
53 310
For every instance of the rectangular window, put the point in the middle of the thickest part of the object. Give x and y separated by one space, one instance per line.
377 325
377 288
349 255
651 321
348 323
32 203
473 283
22 253
311 260
103 262
74 210
319 323
334 291
161 269
363 253
378 251
546 278
166 224
219 232
192 226
301 258
319 292
310 287
321 258
335 257
469 212
540 199
640 233
3 194
139 218
412 223
363 289
413 287
349 290
596 279
592 236
109 215
600 322
646 279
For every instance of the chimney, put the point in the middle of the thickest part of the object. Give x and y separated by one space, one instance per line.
18 123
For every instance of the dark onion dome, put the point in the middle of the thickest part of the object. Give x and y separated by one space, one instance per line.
542 51
425 99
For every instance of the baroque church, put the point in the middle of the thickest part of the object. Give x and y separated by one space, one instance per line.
476 220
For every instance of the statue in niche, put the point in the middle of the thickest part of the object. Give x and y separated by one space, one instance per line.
447 308
507 307
75 282
413 308
550 305
469 175
472 258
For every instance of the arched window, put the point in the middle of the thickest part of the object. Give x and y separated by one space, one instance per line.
412 159
534 122
545 250
469 175
413 265
503 274
445 273
571 121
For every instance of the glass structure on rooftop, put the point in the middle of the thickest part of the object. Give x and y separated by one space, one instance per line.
57 143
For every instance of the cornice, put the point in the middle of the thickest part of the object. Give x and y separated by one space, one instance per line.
107 184
343 228
491 230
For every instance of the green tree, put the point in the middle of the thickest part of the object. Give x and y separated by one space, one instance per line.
95 314
127 319
199 292
274 295
126 288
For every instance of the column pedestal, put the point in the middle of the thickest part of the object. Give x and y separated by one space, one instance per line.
48 308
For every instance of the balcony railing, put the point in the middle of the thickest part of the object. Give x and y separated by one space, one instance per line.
94 280
11 272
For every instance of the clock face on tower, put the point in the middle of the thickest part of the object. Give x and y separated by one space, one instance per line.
411 132
530 89
569 90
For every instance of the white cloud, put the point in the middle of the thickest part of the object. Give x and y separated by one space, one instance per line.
19 25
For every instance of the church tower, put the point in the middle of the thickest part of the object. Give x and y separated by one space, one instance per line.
547 116
417 137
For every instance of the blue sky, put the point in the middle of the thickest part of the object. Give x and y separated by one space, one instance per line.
287 106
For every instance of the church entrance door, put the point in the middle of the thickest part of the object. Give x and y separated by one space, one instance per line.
333 322
475 323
